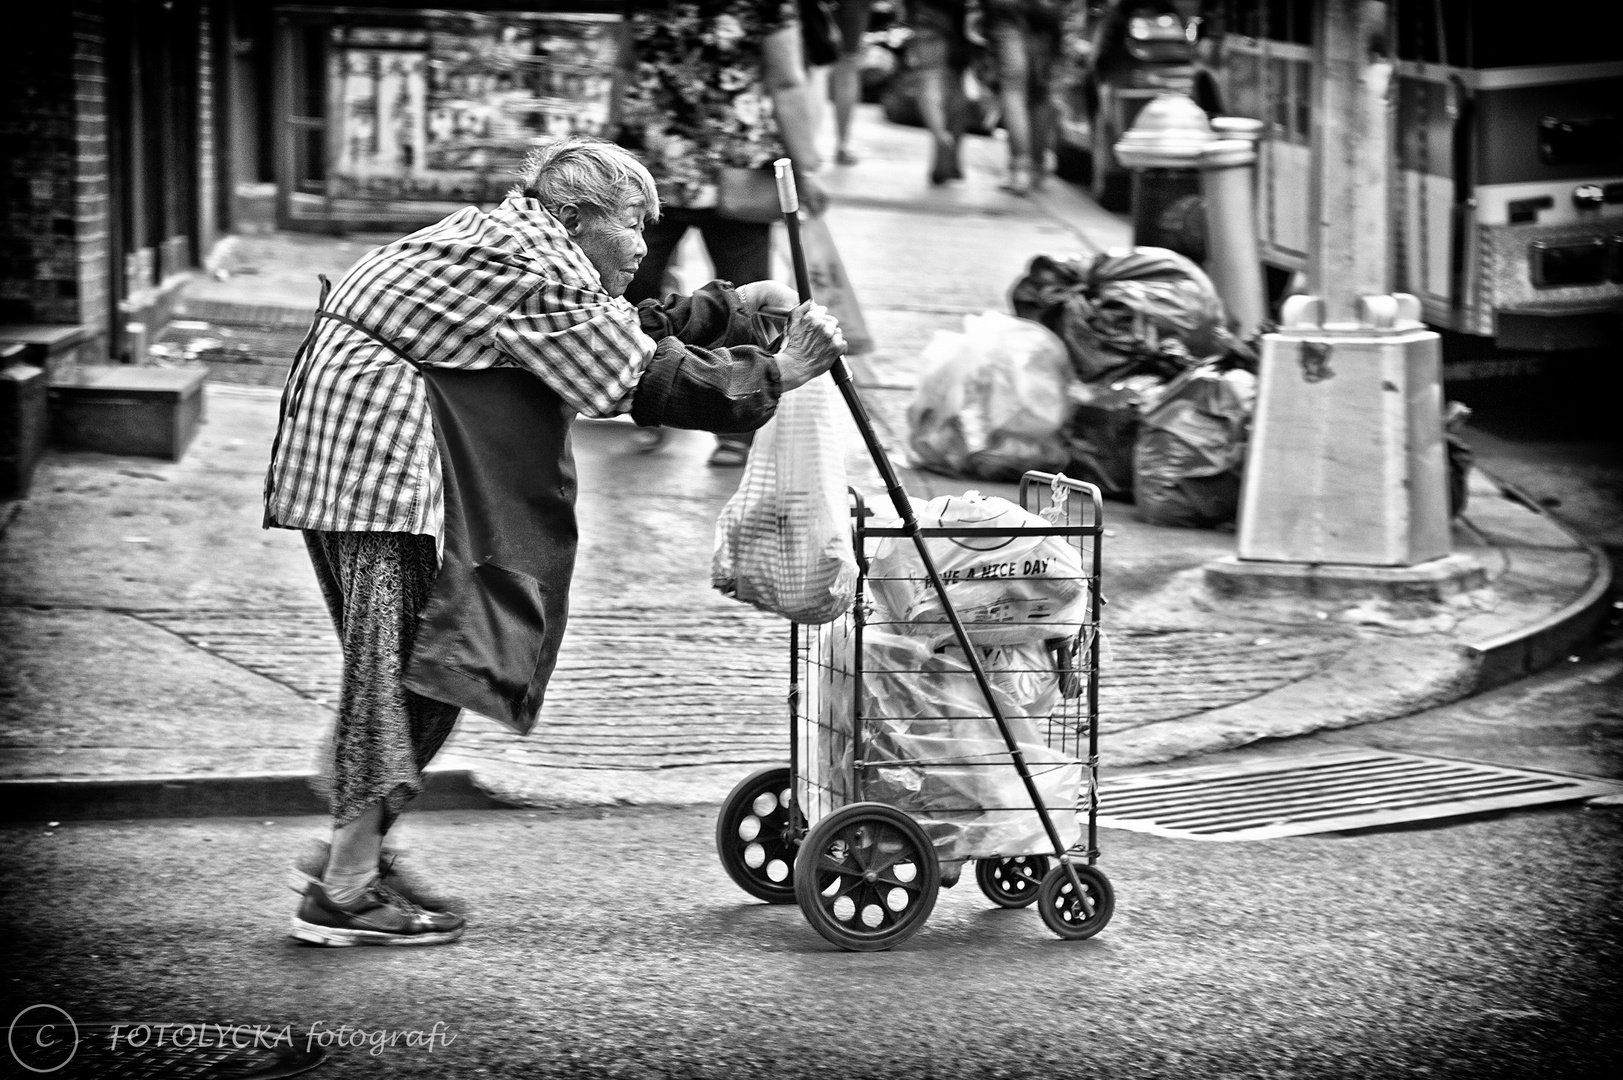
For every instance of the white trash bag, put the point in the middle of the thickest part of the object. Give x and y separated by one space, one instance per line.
991 401
1009 589
783 541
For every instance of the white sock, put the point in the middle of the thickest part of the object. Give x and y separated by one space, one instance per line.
346 886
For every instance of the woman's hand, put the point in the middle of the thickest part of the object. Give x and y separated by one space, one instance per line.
773 296
810 346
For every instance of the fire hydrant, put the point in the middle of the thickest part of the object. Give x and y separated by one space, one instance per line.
1174 150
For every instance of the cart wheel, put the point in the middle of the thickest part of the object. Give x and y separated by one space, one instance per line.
754 836
1012 882
1072 916
867 877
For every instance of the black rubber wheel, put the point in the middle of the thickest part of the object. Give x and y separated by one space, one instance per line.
1011 882
867 877
754 836
1070 915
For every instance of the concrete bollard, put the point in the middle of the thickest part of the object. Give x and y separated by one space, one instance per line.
1228 171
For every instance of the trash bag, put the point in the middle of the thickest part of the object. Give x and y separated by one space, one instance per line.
991 401
783 541
1103 429
1190 453
1119 312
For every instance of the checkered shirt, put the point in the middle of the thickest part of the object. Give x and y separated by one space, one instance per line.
355 449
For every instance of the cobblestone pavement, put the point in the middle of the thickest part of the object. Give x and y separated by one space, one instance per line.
661 687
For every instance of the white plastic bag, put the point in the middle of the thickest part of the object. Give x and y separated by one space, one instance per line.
783 541
1006 589
991 401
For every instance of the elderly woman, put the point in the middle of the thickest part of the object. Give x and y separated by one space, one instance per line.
423 448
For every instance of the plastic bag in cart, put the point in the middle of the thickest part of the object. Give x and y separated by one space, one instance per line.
991 401
783 541
936 748
1005 589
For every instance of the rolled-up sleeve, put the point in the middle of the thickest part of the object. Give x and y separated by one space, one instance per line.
710 370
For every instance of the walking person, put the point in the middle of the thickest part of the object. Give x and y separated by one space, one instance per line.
1024 36
939 54
851 16
714 89
423 448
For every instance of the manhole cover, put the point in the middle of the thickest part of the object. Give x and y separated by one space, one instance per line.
1352 789
44 1040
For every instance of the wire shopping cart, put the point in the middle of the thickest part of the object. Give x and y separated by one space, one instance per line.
864 870
900 768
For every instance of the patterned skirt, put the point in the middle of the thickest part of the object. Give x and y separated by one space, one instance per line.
376 585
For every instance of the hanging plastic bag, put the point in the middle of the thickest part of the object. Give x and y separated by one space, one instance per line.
783 541
991 401
1005 589
1190 453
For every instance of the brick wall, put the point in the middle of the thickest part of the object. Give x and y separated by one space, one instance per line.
53 203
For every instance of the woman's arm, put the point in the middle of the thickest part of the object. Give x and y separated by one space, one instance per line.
735 388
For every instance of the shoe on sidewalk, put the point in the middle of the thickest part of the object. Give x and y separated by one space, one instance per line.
729 454
312 867
379 916
645 440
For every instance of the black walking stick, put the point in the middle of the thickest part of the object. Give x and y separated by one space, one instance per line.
789 203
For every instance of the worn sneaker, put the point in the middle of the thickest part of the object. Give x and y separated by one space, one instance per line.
379 916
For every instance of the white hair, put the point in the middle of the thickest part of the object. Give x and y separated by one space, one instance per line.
588 172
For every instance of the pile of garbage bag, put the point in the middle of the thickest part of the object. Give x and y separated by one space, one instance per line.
1125 311
1161 402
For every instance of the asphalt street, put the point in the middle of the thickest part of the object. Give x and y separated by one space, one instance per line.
613 945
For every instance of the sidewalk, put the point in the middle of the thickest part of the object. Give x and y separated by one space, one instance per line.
160 653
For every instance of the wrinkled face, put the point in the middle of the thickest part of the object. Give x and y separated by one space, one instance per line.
614 244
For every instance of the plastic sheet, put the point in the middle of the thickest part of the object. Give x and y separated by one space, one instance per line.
935 748
991 401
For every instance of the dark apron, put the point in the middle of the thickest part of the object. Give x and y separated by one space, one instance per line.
488 638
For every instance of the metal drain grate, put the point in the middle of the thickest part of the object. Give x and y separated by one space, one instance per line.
1353 789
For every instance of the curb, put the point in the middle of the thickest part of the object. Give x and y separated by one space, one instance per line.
1517 654
244 795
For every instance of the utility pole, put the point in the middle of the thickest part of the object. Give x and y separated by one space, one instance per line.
1346 484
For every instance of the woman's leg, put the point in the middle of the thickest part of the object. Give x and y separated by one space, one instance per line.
847 76
741 252
1008 43
375 585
